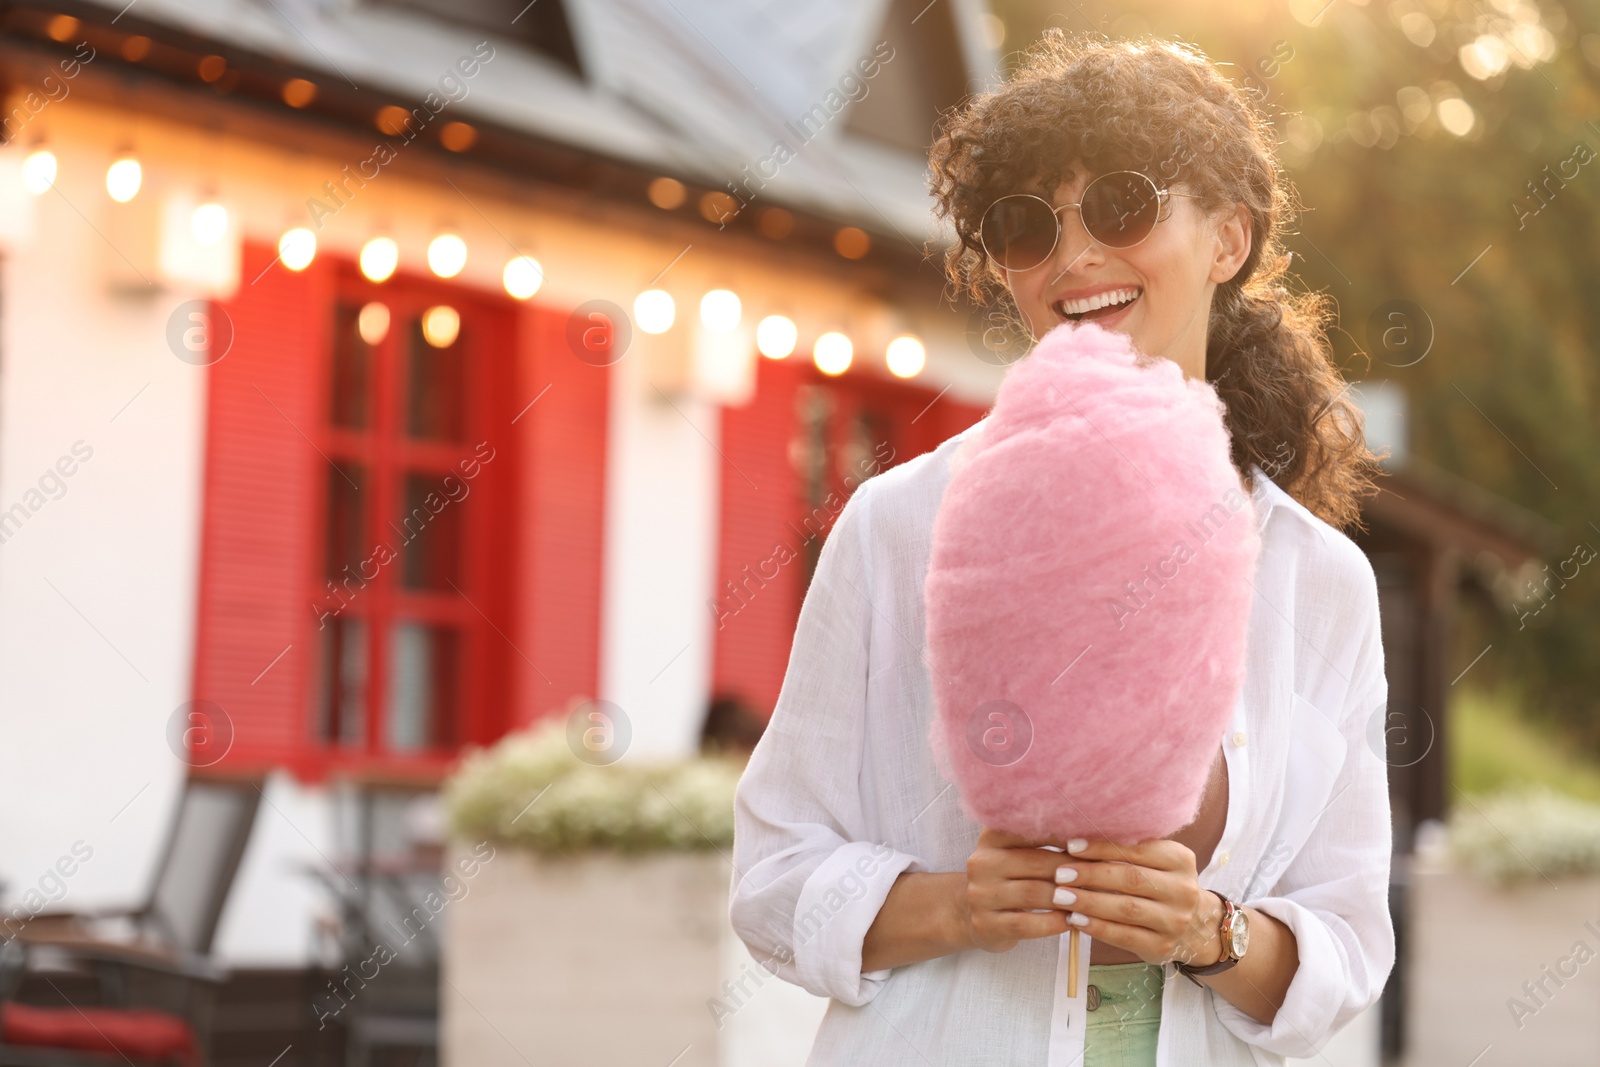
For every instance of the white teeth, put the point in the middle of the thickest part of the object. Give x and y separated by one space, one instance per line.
1099 300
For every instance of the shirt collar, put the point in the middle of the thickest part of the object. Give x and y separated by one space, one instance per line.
1268 495
1265 494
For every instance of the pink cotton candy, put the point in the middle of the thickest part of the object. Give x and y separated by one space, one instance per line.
1088 590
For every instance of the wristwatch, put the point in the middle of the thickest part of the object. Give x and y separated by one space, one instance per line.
1235 931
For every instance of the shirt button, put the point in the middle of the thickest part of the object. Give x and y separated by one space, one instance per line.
1238 739
1093 997
1222 860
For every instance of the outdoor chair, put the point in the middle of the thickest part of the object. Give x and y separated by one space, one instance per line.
159 951
396 1013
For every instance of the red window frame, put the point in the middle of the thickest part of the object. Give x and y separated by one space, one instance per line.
471 476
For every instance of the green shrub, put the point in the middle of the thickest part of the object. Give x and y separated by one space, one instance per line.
531 791
1495 745
1526 833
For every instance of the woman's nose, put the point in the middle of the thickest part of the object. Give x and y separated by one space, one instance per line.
1076 250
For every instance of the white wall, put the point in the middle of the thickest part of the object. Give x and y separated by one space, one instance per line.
271 916
662 477
97 588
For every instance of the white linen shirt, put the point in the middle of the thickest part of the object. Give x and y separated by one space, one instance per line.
842 794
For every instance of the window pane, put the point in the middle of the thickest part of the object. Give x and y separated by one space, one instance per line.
342 686
345 536
352 372
431 528
870 430
436 388
808 453
423 671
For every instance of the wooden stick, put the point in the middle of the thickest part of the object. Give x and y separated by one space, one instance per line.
1072 964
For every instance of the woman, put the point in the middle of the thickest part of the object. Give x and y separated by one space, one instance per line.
1131 175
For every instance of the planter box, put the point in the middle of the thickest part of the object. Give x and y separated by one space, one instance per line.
600 959
1473 947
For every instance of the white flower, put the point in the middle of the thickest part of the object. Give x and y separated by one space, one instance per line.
1531 832
531 790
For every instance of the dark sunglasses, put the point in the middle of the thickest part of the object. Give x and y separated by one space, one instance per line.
1119 210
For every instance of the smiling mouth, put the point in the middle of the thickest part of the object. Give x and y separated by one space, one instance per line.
1096 307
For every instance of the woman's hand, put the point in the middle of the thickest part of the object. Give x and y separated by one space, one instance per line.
1145 898
1001 898
1010 882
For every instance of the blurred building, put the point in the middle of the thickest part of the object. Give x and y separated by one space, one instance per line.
333 439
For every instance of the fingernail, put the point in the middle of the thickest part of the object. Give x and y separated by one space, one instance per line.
1066 874
1065 896
1078 918
1077 844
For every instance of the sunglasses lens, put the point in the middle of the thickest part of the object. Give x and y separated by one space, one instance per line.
1018 232
1119 210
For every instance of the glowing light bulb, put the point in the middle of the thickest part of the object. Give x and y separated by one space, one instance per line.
297 248
447 254
776 336
373 322
123 179
441 325
379 258
522 277
39 171
906 357
654 311
720 310
832 353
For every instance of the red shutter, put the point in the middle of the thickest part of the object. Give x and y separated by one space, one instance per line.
561 500
756 600
262 494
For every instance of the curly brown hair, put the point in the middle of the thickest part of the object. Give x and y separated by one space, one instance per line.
1162 107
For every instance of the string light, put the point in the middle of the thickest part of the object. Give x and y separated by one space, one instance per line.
522 277
776 336
373 322
906 357
379 258
39 171
666 193
297 92
447 254
654 311
123 179
297 248
720 310
832 353
441 325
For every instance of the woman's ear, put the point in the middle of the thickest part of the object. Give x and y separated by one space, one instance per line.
1232 245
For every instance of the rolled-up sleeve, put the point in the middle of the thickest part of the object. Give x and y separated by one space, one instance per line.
808 881
1334 895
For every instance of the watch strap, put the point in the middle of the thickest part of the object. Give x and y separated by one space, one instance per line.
1225 931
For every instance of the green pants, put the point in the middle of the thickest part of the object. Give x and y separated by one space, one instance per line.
1125 1015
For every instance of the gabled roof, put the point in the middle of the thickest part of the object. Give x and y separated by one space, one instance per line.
699 89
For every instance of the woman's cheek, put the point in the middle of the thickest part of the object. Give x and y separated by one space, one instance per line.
1037 313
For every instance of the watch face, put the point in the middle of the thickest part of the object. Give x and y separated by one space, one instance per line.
1239 934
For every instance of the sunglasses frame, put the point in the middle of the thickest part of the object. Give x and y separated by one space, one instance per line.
1161 196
